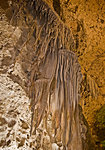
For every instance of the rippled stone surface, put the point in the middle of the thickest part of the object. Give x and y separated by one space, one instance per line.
40 85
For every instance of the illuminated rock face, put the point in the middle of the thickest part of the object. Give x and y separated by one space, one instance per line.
45 67
87 21
54 89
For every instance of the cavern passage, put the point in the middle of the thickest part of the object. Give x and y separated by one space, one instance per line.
40 80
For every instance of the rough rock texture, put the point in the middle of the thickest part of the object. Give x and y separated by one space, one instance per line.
86 19
37 56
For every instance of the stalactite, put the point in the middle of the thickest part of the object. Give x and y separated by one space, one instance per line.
57 89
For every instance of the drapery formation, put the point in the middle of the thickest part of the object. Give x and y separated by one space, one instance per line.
54 88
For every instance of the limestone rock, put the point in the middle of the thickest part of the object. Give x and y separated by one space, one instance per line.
41 81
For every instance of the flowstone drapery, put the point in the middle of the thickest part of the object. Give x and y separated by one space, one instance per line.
54 88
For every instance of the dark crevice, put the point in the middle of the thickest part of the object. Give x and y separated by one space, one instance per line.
56 6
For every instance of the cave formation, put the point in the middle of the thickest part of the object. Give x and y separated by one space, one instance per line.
51 74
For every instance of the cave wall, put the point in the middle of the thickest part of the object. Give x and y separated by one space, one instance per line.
29 33
32 48
87 20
